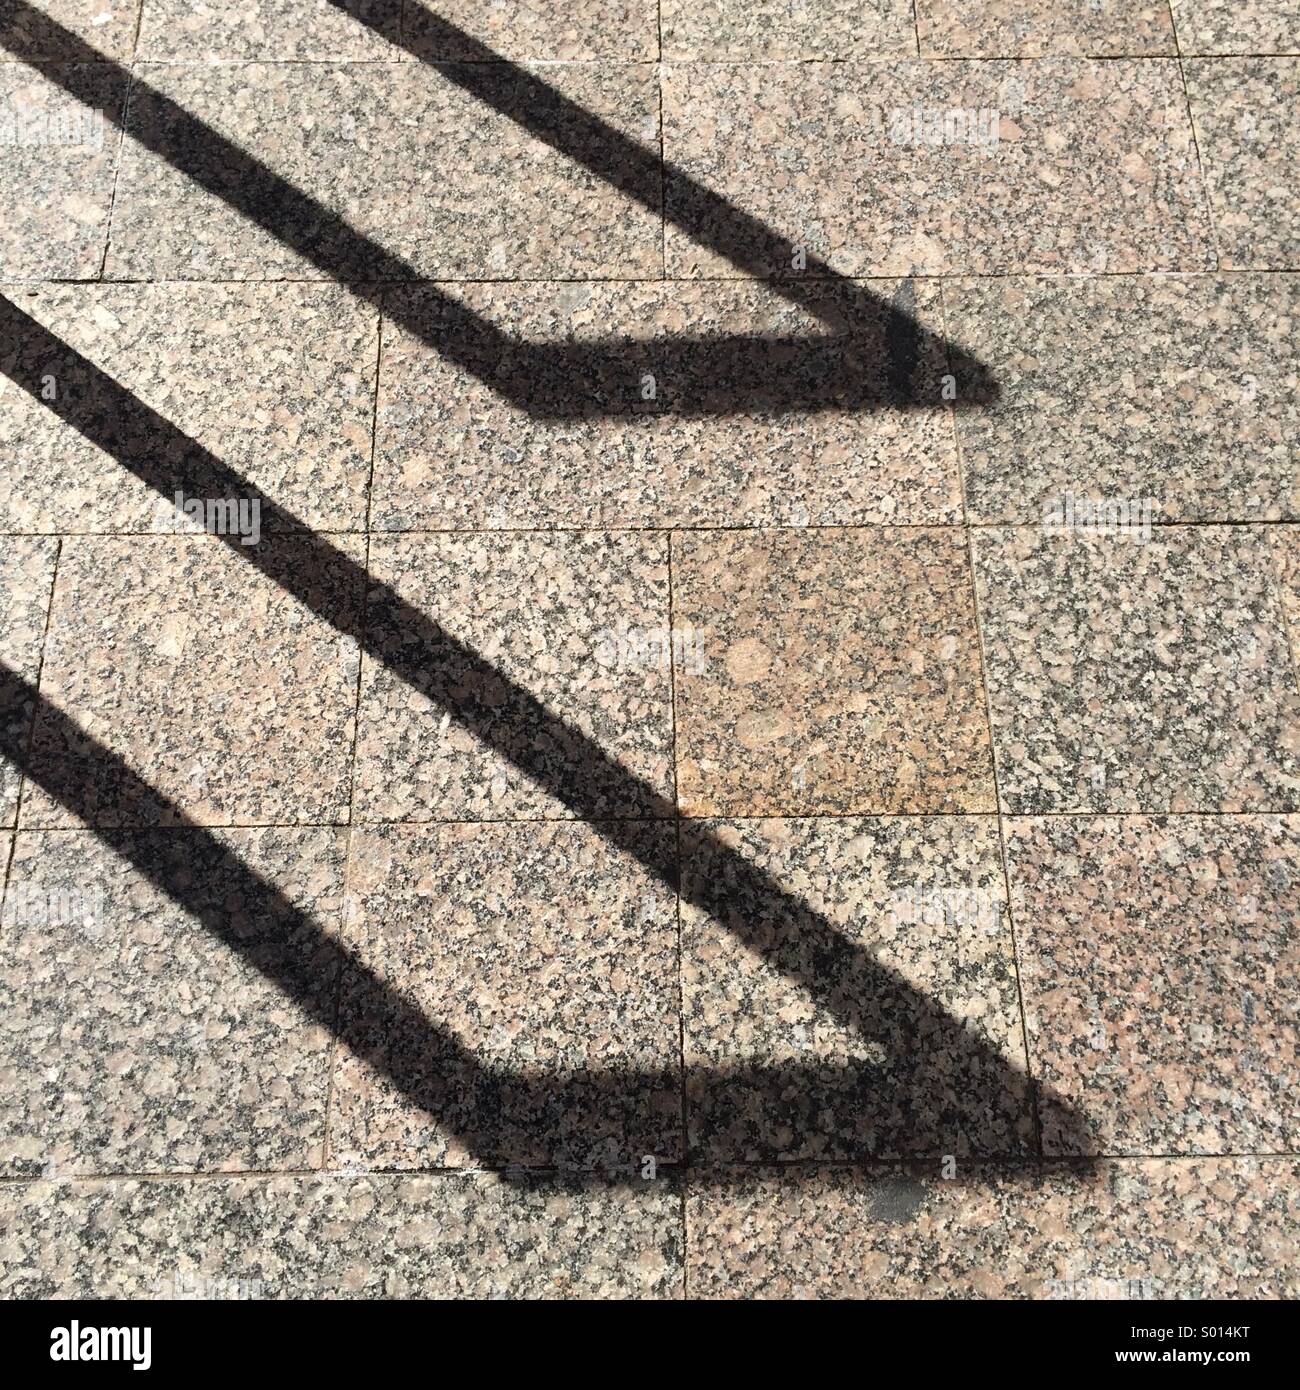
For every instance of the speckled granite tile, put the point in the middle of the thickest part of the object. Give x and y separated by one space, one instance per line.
902 930
108 25
1159 959
1090 163
277 381
407 158
269 30
1217 1228
1184 391
1038 28
1247 113
835 671
788 29
226 695
1237 26
1131 676
529 29
133 1039
26 574
56 176
339 1237
764 413
550 958
570 618
1286 557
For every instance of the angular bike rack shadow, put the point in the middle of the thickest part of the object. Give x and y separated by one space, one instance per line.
938 1076
875 354
942 1075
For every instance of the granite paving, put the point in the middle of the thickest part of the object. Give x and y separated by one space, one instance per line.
1237 26
649 650
1041 28
1247 114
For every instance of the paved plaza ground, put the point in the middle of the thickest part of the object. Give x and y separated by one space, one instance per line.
649 650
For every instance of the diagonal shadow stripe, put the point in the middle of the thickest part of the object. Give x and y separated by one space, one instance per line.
875 354
932 1073
936 1071
502 1117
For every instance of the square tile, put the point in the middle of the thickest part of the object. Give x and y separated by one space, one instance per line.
270 30
897 168
1120 1231
1184 392
407 159
230 698
1138 676
1237 26
787 29
135 1039
831 672
1160 960
1247 113
106 25
762 412
573 629
26 575
56 177
865 1007
545 962
470 1236
522 29
1040 28
277 381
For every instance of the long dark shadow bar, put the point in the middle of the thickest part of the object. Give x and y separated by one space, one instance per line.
934 1082
933 1075
874 354
505 1118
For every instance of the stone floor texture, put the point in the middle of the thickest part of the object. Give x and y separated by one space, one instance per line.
650 649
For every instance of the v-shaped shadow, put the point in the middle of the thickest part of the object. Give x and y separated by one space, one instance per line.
873 354
935 1084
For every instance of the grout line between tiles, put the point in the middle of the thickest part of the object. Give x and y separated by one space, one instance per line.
686 281
1019 1163
1290 623
1210 216
127 93
703 819
20 803
351 829
374 427
683 1101
135 32
1031 1083
352 825
13 831
663 166
865 61
654 528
